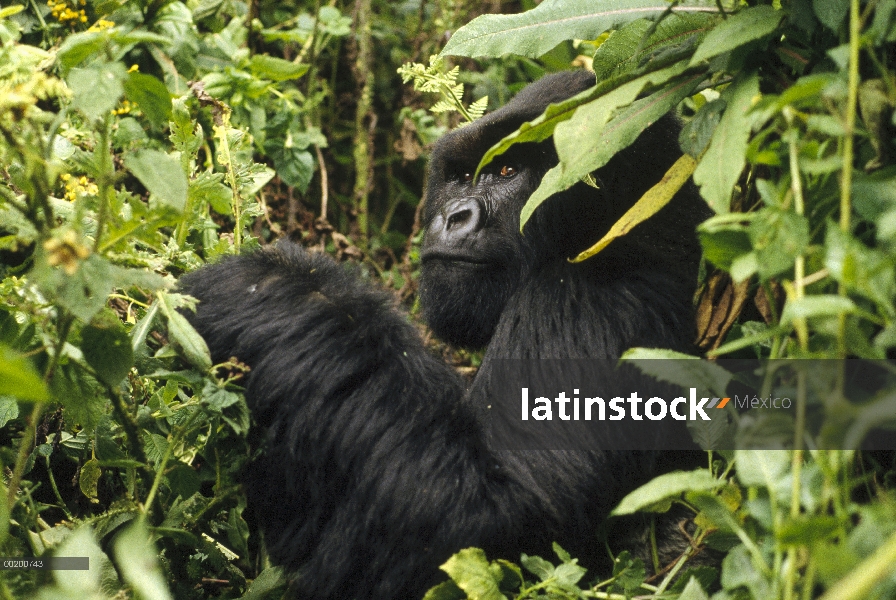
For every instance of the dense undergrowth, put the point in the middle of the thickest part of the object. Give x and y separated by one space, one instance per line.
139 140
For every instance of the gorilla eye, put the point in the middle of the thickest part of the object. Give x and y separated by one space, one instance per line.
467 177
507 171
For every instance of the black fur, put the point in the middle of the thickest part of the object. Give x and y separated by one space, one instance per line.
377 466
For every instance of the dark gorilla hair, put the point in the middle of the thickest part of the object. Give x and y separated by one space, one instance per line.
376 463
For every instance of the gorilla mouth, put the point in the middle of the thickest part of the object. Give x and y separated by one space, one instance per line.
451 257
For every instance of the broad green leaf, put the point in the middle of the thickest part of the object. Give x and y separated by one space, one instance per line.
742 28
472 573
447 590
761 468
697 132
648 205
294 166
183 480
868 271
267 581
665 487
626 49
593 135
96 89
107 348
720 167
536 31
271 67
693 591
19 379
137 562
185 337
9 409
86 583
84 292
738 569
542 127
681 369
161 175
78 46
821 305
778 237
208 187
150 95
831 12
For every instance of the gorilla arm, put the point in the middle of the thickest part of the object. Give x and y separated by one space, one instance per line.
373 470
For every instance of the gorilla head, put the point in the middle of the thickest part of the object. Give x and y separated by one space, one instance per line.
474 257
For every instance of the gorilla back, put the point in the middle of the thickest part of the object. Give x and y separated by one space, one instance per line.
377 464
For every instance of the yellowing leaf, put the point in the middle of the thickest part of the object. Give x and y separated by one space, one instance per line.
648 205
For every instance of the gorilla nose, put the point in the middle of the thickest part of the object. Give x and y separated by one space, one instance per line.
460 219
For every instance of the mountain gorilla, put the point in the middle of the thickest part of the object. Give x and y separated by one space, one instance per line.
376 464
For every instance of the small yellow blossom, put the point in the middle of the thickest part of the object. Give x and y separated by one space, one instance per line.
134 69
66 250
76 187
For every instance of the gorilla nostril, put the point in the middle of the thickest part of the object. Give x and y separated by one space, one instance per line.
460 218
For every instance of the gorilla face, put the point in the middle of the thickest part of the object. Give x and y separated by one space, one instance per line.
471 254
474 257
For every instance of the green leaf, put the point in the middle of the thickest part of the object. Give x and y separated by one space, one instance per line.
268 581
78 46
655 492
107 348
681 369
150 95
208 187
84 292
185 338
761 468
697 132
626 49
144 326
136 558
591 138
270 67
82 583
294 166
720 167
472 573
742 28
19 379
821 305
693 591
536 31
447 590
89 478
183 480
9 409
778 237
96 89
738 570
161 175
648 205
831 13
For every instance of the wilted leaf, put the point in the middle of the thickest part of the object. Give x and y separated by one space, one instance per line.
648 205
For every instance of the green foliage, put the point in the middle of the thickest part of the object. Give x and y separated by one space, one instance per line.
790 119
434 78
